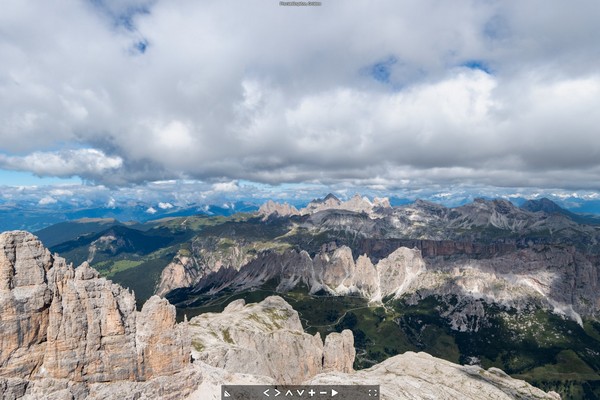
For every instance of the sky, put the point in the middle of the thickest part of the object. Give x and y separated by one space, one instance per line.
223 96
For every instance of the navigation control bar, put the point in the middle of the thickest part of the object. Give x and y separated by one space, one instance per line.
300 392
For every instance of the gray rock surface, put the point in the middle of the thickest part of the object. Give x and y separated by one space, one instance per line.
339 352
267 339
416 376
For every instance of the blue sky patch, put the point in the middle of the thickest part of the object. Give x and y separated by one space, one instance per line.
381 71
141 46
477 64
121 18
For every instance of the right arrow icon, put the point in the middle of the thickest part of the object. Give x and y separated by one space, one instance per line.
333 392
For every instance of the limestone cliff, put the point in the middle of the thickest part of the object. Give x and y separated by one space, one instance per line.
180 273
25 300
62 323
333 270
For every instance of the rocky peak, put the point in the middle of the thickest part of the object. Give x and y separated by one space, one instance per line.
383 202
271 208
162 346
330 198
329 202
357 203
339 352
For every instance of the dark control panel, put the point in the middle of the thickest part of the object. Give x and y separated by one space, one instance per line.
304 392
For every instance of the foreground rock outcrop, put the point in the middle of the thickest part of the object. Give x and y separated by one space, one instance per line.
264 343
412 376
70 325
267 339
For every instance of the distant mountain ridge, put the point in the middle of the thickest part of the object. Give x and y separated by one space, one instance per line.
33 217
65 231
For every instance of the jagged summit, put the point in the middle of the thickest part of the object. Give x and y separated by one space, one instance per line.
271 208
356 203
329 197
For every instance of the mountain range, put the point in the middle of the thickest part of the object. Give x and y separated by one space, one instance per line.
67 333
487 284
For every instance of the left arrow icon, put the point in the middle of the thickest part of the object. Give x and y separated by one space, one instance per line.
266 393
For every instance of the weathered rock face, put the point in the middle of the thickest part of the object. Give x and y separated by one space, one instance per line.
339 352
24 303
333 270
91 330
163 346
172 387
64 323
267 339
398 271
420 376
211 262
180 273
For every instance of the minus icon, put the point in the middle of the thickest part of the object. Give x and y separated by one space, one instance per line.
322 392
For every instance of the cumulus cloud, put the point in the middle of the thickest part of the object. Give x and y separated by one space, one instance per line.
225 187
86 163
165 206
47 200
380 96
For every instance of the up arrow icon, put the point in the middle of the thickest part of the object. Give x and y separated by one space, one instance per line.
333 392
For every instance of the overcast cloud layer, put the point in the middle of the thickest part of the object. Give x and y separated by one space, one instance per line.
383 94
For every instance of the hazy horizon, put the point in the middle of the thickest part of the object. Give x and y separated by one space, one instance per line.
179 102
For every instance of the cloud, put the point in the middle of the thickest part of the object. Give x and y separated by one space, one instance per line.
47 200
479 93
225 187
165 206
61 192
86 163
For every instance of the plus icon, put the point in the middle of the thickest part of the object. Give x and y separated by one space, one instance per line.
311 392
